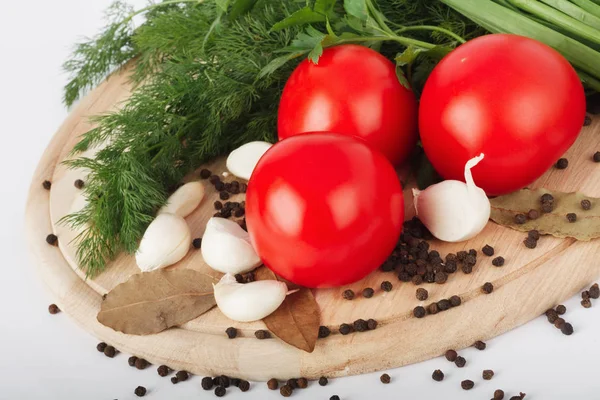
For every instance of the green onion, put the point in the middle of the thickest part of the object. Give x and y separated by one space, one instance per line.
588 6
573 11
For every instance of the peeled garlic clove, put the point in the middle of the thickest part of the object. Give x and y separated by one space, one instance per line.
250 301
184 200
241 161
226 247
166 241
454 211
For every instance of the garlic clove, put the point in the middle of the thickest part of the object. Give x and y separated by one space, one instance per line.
454 211
166 241
226 247
241 161
185 199
250 301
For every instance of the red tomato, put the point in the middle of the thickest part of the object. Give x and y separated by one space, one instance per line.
353 90
512 98
323 209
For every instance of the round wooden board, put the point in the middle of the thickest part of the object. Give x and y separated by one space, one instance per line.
530 282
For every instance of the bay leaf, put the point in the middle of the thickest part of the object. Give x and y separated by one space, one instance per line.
297 320
587 226
151 302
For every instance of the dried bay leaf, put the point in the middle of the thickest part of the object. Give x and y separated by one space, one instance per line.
587 226
297 320
151 302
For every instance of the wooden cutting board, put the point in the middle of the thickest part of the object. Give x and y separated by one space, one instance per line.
530 282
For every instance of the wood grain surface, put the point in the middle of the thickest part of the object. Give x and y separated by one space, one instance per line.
530 282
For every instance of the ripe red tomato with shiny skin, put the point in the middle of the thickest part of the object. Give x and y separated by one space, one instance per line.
353 90
512 98
324 209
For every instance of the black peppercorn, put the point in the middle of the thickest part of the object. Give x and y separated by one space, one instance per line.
533 214
218 205
460 362
572 217
220 391
368 293
110 351
586 303
433 309
567 329
441 278
231 332
223 195
587 120
533 234
547 198
239 278
451 355
225 213
324 332
293 383
262 334
235 382
101 346
53 309
47 185
79 184
437 375
530 243
547 207
272 384
131 361
498 394
182 376
417 280
520 219
197 243
479 345
348 294
239 212
467 269
586 204
419 312
207 383
487 374
461 255
585 294
323 381
205 173
244 386
552 316
360 325
371 324
163 370
559 323
140 391
594 291
386 286
443 305
467 384
455 301
596 156
385 379
223 381
562 163
498 261
219 186
488 250
140 363
345 329
487 288
214 179
450 267
52 239
560 309
334 397
174 380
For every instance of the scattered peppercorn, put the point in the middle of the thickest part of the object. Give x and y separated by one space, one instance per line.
437 375
419 312
455 301
530 243
559 323
345 329
323 381
451 355
596 156
433 309
163 370
586 204
53 309
385 379
174 380
224 195
444 305
547 207
182 376
467 269
197 243
205 173
47 185
371 324
488 250
520 219
272 384
224 381
239 278
422 294
131 361
140 363
286 391
334 397
460 362
498 261
262 334
441 278
417 280
479 345
52 239
368 293
498 394
101 346
467 384
533 214
562 163
586 303
560 309
324 332
552 315
547 198
348 294
585 294
487 374
244 386
231 332
533 234
572 217
220 391
386 286
487 288
140 391
594 291
110 351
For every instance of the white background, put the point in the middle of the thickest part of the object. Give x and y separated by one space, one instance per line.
48 357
